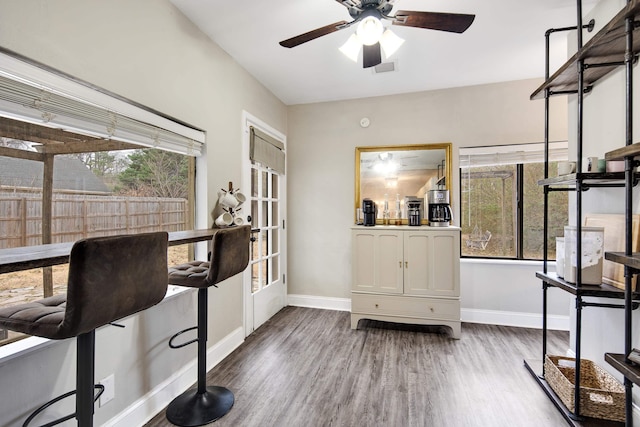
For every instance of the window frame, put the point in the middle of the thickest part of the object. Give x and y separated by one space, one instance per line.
518 185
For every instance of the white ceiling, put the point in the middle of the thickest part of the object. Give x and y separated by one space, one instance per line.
505 42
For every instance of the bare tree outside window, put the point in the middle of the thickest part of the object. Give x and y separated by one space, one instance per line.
155 173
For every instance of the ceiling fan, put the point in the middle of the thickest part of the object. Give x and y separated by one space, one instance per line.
368 14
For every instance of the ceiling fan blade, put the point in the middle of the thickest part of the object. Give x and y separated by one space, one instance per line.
371 55
313 34
452 22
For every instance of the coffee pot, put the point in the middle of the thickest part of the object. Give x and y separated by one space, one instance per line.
414 210
438 210
415 214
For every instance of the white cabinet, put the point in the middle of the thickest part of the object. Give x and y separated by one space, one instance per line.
406 274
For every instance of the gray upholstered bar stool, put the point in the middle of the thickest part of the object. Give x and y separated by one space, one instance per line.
109 278
229 256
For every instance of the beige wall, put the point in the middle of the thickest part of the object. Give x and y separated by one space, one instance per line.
321 145
147 51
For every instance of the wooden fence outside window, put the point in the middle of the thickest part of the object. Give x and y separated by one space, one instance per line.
76 217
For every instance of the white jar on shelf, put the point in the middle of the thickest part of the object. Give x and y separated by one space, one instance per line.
592 254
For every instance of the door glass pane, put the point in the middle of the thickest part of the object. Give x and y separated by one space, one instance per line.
274 241
265 184
274 186
254 182
264 250
274 213
265 214
254 214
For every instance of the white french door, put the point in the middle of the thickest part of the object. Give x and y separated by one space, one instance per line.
264 280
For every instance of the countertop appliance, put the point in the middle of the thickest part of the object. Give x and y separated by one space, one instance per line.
369 210
439 211
414 211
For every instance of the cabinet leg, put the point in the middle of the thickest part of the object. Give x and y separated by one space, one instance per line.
354 321
456 330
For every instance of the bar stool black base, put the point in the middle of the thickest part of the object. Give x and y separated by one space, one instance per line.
192 409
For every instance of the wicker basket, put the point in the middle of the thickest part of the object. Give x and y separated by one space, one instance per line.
601 395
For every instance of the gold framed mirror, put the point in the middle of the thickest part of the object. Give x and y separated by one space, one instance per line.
397 173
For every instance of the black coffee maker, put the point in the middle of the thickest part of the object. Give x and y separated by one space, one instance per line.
369 210
414 211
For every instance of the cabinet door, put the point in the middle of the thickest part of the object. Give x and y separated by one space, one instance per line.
445 261
432 263
417 265
377 261
363 247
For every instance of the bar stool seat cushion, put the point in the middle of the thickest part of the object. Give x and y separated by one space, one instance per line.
229 256
191 274
36 318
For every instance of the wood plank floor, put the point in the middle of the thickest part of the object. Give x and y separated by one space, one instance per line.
306 367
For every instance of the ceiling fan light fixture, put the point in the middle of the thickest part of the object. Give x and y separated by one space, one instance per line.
370 30
390 43
351 48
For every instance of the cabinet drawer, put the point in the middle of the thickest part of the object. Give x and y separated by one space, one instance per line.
401 306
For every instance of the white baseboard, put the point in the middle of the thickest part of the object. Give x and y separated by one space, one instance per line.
470 315
512 318
149 405
326 303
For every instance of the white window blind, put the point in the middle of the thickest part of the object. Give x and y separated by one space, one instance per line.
266 150
35 94
511 154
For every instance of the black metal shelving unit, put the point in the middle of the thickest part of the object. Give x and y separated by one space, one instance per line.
610 48
631 262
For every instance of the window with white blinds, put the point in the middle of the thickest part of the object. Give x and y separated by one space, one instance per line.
33 93
512 154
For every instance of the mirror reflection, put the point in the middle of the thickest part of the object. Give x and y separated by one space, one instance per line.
396 177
